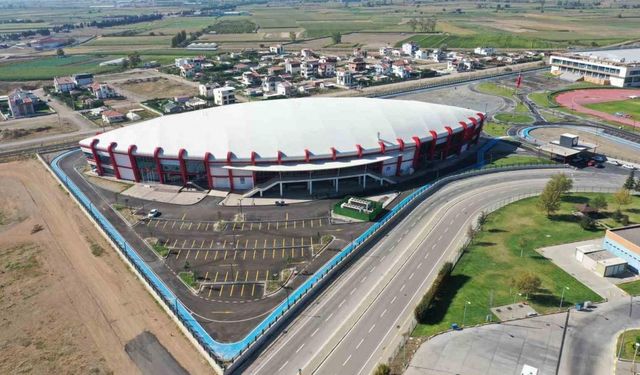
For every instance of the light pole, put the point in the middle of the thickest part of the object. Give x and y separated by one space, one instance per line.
464 313
635 353
515 296
562 297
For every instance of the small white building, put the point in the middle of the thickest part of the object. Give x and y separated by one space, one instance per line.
307 53
64 84
224 95
409 48
284 88
206 89
421 54
278 49
102 91
485 51
132 116
344 78
309 68
385 51
83 79
292 66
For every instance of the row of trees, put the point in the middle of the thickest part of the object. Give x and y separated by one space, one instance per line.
425 25
125 20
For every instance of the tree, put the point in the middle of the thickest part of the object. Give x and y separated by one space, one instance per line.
134 59
413 24
60 52
587 223
382 369
562 183
630 183
549 200
336 38
528 283
622 197
292 36
599 202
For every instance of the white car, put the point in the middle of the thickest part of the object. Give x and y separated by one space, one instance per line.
629 166
614 162
153 213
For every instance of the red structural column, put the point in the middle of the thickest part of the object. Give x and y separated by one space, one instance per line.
383 148
359 148
401 148
465 136
334 153
279 157
134 164
434 140
479 127
112 155
183 166
96 157
253 162
156 157
230 171
207 169
449 138
416 154
307 155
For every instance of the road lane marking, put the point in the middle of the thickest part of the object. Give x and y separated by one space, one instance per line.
346 360
402 287
283 366
384 312
372 327
300 348
360 343
328 317
420 265
363 279
314 332
393 300
342 303
411 276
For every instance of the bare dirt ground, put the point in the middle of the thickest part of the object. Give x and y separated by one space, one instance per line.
605 146
34 127
157 87
69 304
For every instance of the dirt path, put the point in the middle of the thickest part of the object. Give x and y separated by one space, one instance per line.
69 304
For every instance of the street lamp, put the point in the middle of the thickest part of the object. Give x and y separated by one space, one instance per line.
464 313
515 296
635 353
562 297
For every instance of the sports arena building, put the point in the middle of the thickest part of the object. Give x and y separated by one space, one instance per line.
617 67
253 147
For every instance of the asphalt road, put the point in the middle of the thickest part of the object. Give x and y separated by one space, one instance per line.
356 322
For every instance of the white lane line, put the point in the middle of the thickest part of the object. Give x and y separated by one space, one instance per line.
402 287
433 246
446 229
346 360
411 276
384 312
393 300
420 265
351 292
360 343
363 279
342 303
281 367
371 270
314 332
372 327
328 317
300 347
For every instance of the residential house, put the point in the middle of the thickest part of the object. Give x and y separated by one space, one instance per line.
326 70
269 84
224 95
49 43
382 68
437 55
111 117
309 68
23 103
275 70
64 84
356 65
409 48
171 107
307 53
344 78
421 54
328 60
133 116
181 99
278 49
385 51
180 61
396 53
83 79
187 71
359 52
241 67
196 103
485 51
292 66
401 70
250 78
102 91
284 88
206 89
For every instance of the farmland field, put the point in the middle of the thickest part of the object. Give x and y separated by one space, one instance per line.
49 67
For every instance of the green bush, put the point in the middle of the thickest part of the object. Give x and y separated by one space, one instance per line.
422 310
587 223
382 369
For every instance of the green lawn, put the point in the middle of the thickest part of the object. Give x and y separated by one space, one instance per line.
517 118
49 67
189 278
518 160
632 287
495 129
630 337
497 90
630 107
542 99
486 269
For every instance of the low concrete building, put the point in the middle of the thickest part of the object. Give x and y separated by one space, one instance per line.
112 117
600 261
625 243
102 91
206 89
83 79
64 84
23 103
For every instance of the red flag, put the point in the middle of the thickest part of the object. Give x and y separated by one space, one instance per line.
518 81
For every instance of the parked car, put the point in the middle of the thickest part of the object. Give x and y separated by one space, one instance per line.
614 162
598 158
153 213
629 166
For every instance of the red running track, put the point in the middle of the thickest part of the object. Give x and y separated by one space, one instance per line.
575 100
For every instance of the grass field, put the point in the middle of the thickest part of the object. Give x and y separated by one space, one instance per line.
628 341
495 129
541 99
633 287
486 269
497 90
518 160
49 67
516 118
630 107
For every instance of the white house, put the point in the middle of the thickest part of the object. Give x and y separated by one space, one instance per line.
401 70
409 48
250 78
64 84
307 53
382 68
421 54
83 79
326 70
111 117
224 95
269 84
206 89
485 51
292 66
344 78
385 51
102 91
278 49
309 68
284 88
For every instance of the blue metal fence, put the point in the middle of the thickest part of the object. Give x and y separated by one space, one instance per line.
230 351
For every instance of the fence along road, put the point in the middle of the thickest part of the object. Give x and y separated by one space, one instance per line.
359 320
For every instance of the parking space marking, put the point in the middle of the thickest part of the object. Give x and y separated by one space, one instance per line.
266 275
215 279
286 220
173 224
244 254
236 278
210 289
237 243
235 254
257 274
206 254
188 252
273 255
260 225
206 276
268 225
149 223
184 216
175 243
193 244
254 254
294 224
264 253
311 239
157 222
221 289
253 289
319 222
178 255
202 244
283 242
246 244
255 244
198 228
224 244
274 243
184 244
181 224
242 290
293 252
215 256
197 252
283 253
265 243
165 224
206 229
302 224
277 225
225 255
234 226
211 245
302 249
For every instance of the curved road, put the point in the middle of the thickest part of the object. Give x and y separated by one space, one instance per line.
357 322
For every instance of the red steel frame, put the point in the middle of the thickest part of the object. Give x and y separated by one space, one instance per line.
401 148
116 171
334 153
434 140
134 164
230 171
183 166
416 154
207 156
448 146
360 150
156 152
96 157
